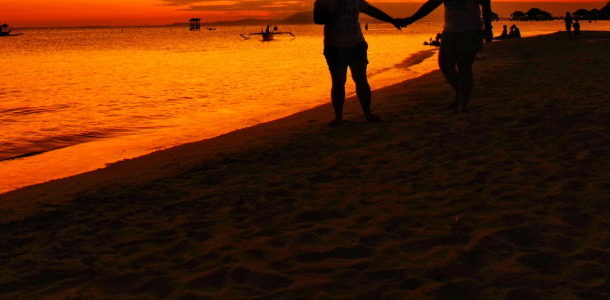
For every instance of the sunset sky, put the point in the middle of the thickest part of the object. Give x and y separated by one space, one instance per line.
27 13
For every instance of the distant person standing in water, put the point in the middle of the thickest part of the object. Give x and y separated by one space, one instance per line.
568 20
345 47
463 36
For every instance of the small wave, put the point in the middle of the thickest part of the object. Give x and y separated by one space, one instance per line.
188 50
412 60
371 74
10 151
6 92
28 110
19 111
416 58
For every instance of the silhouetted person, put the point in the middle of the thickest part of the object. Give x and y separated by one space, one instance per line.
515 33
504 34
344 46
436 41
576 26
275 28
568 21
463 36
267 30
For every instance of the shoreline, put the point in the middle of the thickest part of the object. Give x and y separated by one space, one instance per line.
228 141
51 165
417 63
509 201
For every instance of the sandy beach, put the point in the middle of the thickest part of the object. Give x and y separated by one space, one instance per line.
510 201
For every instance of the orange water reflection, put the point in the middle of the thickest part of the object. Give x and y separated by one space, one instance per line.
97 96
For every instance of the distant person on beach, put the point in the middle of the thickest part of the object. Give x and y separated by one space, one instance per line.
576 26
463 36
504 34
345 47
568 21
514 33
436 41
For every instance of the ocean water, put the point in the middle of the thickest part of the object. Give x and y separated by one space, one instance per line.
73 100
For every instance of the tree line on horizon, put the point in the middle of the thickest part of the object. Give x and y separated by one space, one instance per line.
536 14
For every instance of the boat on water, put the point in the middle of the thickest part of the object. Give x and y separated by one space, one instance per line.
436 42
6 30
267 34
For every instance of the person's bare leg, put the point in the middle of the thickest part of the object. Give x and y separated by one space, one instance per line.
465 78
337 93
363 90
447 63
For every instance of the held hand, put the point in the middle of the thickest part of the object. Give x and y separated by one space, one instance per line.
397 23
405 22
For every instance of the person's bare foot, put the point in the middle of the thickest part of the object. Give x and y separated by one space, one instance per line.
454 105
336 122
463 109
373 118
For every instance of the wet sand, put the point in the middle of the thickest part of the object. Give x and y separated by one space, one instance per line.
510 201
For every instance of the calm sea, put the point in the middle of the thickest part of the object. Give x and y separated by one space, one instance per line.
74 100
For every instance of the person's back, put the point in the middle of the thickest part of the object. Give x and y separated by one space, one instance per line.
462 15
343 29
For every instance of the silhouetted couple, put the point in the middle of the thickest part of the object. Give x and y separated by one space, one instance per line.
571 23
345 46
514 33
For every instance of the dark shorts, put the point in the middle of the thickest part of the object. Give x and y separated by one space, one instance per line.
339 57
462 42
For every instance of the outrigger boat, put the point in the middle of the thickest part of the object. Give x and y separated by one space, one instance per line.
5 30
267 34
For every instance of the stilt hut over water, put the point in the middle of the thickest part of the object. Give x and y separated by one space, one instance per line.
5 30
195 24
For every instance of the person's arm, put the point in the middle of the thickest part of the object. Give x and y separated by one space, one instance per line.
423 11
378 14
487 28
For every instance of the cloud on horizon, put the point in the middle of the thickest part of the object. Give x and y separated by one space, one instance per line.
238 5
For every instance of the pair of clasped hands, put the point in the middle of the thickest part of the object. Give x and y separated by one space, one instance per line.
401 23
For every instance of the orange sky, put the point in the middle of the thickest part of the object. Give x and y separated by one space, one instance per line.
28 13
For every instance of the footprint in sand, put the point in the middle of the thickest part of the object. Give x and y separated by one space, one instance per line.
589 274
355 252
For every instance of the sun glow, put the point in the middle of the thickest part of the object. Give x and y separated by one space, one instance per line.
32 13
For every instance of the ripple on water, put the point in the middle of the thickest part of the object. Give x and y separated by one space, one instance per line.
20 148
29 110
